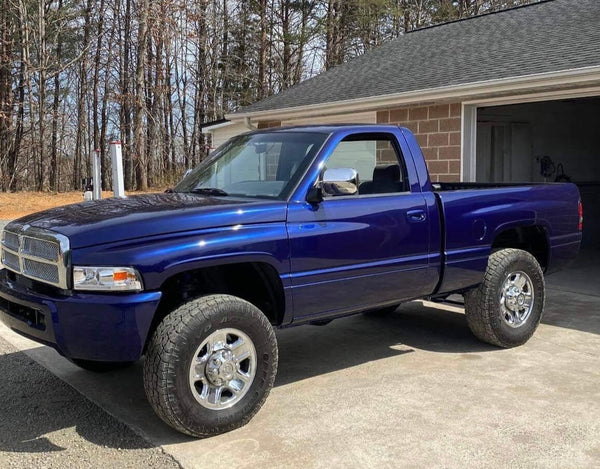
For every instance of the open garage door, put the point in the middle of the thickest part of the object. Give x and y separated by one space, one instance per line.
548 141
545 141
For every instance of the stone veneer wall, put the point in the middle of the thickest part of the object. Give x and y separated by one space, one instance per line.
437 129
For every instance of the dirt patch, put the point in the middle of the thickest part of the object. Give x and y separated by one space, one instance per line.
19 204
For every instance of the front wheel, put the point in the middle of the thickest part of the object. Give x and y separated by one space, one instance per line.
210 365
507 307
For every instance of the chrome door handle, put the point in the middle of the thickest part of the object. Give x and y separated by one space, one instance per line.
416 215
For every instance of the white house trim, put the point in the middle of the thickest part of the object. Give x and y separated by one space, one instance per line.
536 97
210 128
468 148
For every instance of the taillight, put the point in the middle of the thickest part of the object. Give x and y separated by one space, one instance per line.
580 226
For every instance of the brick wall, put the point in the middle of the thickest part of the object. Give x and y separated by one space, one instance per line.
268 124
437 129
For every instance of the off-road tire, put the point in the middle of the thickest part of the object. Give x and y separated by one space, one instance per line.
482 304
173 347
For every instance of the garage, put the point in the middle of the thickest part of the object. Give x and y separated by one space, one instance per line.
548 141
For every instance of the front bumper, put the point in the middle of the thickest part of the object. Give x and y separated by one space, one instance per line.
102 327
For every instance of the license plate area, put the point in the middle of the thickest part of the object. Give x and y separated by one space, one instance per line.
33 317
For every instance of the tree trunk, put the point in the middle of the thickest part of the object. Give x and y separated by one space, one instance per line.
262 62
138 130
95 99
126 98
6 104
20 124
335 37
43 63
287 54
82 118
55 117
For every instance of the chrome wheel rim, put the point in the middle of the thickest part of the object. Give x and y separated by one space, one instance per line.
223 369
516 299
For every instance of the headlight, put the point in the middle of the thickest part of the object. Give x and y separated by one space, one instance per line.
106 279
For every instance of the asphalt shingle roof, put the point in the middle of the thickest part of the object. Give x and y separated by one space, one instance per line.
541 37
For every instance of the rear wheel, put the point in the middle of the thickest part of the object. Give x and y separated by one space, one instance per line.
507 307
210 365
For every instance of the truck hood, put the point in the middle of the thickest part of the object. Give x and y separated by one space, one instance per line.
118 219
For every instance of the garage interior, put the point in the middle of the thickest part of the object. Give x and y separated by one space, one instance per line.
545 142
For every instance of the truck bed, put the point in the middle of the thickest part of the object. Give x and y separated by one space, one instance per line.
477 217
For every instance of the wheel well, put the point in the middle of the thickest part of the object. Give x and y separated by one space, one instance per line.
255 282
528 238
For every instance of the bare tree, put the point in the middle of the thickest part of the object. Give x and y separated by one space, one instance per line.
75 74
138 129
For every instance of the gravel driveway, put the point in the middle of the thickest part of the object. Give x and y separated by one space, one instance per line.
45 423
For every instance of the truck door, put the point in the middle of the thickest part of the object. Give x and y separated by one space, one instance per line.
363 250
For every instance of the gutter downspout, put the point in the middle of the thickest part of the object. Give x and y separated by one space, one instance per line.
248 123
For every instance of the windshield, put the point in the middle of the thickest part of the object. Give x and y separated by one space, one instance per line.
255 165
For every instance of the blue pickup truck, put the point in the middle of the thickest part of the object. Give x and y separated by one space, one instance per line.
277 228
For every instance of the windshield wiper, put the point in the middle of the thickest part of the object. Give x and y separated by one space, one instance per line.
208 191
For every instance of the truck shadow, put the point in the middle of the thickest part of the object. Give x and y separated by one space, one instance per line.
314 350
578 311
311 351
573 294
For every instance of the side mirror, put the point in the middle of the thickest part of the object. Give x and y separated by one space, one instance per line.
334 182
339 181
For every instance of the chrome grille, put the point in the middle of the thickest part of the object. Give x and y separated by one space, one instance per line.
10 260
36 253
10 240
48 250
40 270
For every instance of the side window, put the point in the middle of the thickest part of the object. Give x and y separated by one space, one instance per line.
374 157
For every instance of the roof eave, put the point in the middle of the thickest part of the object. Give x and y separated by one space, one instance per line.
210 128
462 91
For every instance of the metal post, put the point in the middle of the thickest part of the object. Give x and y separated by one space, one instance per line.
116 157
97 180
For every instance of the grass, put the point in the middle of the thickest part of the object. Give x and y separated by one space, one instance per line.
19 204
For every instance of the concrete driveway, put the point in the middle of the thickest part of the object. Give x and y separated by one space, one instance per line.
413 389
